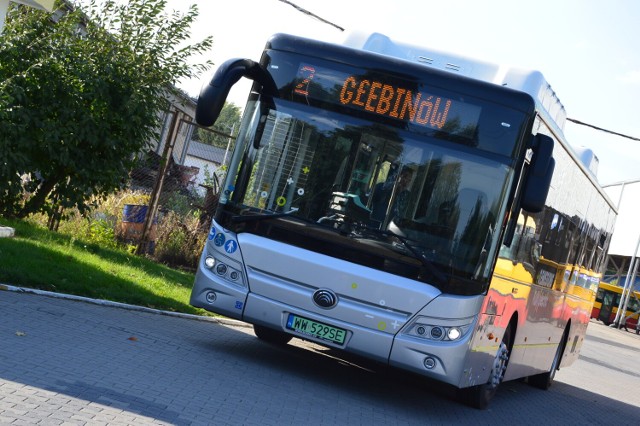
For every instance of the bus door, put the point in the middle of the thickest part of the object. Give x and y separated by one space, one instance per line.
608 300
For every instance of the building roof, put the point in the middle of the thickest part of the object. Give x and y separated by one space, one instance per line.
206 152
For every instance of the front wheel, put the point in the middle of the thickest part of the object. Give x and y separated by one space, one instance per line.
270 335
480 396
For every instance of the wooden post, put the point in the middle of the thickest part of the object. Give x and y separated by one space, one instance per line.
142 247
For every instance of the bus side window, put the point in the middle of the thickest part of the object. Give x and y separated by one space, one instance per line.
634 304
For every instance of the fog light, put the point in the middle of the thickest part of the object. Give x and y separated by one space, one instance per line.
429 363
421 330
209 262
211 297
234 275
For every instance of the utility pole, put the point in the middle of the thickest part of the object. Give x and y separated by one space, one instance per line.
226 151
627 289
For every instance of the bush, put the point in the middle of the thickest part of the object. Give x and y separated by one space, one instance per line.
179 240
103 224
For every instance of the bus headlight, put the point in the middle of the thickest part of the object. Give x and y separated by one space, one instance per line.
210 262
222 269
440 329
454 333
227 269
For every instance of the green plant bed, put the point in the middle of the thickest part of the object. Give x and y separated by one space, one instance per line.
38 258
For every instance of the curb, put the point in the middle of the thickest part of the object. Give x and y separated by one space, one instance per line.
108 303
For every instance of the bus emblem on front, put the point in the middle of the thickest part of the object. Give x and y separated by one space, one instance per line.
325 298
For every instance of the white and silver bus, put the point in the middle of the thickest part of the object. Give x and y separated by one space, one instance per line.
414 208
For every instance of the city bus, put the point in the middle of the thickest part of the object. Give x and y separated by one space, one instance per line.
606 305
419 210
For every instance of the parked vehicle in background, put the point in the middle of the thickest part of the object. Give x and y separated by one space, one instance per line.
606 305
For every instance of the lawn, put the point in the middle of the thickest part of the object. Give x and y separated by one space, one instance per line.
41 259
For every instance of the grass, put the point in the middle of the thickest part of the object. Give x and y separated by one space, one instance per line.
41 259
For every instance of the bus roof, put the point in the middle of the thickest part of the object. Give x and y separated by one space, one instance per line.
528 81
354 56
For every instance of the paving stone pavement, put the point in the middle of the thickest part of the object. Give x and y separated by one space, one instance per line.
66 362
81 363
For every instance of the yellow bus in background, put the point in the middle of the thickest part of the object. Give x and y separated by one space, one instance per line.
606 305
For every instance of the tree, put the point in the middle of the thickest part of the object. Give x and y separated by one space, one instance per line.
80 96
227 123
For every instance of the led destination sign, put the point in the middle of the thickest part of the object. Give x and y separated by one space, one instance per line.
396 102
391 100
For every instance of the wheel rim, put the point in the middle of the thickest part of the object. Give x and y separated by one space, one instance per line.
499 366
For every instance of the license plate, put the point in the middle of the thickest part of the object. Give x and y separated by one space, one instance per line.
316 329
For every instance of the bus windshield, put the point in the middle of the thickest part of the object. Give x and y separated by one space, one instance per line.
416 197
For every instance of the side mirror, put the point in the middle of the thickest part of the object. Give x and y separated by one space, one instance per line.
538 180
214 94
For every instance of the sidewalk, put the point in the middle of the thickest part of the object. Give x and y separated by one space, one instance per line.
108 303
69 360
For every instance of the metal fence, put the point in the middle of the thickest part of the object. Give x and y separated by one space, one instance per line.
179 175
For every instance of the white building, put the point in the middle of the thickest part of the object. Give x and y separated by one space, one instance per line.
39 4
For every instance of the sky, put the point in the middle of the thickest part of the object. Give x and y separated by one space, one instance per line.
588 50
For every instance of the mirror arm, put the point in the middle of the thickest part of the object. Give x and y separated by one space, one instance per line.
214 94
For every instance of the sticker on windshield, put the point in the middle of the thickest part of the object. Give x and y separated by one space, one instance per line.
231 246
218 240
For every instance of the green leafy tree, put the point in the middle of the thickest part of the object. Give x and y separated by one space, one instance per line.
81 94
228 122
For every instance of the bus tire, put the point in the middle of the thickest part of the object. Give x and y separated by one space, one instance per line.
480 396
543 381
271 336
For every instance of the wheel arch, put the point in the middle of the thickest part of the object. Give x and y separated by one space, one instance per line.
564 341
513 329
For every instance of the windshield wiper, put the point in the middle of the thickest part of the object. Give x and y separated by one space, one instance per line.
260 216
417 254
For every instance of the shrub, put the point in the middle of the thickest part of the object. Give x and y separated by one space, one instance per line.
177 237
179 240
